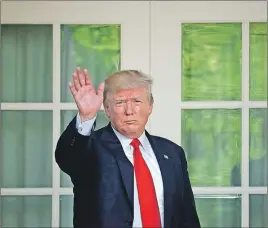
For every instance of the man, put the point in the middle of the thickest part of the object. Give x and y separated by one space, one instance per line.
122 175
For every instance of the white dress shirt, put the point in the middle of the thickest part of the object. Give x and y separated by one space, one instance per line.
84 128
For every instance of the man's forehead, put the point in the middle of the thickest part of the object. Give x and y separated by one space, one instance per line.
130 92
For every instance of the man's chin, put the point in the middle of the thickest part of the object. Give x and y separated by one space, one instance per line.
131 126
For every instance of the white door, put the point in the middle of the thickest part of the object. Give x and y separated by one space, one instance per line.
42 43
208 98
209 60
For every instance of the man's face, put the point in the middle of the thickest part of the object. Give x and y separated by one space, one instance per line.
128 111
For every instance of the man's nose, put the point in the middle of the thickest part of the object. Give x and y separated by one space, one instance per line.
129 108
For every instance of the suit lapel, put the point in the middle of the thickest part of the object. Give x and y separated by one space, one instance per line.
126 170
125 166
166 168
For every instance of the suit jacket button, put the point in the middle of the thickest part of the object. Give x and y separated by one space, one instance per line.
128 222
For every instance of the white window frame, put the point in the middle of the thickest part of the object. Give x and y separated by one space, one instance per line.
166 20
151 42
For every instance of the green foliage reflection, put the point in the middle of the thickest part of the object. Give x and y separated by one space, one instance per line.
258 147
95 47
213 211
211 61
212 141
258 61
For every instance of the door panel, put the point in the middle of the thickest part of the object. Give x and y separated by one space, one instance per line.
209 63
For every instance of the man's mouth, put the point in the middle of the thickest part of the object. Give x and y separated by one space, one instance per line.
130 121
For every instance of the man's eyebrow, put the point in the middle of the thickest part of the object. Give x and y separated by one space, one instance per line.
131 98
119 100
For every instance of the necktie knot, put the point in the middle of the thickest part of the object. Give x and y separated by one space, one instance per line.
135 143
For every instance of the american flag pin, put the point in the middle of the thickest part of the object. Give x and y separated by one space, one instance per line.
165 156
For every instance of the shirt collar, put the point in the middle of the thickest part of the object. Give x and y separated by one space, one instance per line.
125 141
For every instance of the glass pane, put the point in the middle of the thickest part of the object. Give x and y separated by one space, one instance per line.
258 61
27 149
66 211
219 211
26 211
26 63
211 61
95 47
258 210
258 135
66 117
212 143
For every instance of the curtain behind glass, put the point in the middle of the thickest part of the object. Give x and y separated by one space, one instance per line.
27 63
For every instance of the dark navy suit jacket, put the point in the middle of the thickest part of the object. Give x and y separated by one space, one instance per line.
103 181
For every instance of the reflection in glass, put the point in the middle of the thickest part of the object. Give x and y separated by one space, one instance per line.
211 61
27 149
26 61
95 47
66 211
219 210
26 211
258 208
258 140
258 61
212 143
66 117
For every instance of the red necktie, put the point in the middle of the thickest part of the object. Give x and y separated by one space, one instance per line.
150 215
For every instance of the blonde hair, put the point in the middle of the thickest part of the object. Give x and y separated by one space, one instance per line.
127 79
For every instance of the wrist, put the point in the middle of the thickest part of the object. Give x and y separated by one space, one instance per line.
84 118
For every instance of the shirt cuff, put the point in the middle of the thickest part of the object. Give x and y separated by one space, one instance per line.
84 128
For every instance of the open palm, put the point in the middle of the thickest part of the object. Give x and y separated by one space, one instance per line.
88 101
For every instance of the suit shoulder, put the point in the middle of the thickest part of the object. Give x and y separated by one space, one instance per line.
173 148
167 142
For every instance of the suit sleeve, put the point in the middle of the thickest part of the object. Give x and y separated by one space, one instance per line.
72 147
190 218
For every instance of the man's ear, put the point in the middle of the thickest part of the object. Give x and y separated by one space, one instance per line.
150 108
106 109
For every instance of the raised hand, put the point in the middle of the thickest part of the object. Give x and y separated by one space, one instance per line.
88 101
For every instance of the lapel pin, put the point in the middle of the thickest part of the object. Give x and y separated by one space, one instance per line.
165 156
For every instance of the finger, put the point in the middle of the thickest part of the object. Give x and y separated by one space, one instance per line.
101 89
81 76
76 82
87 77
72 89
